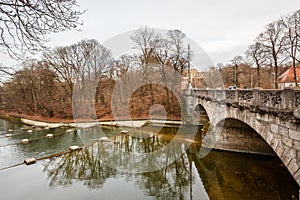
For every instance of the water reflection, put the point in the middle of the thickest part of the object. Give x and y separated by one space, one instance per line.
84 165
144 150
13 151
239 176
173 181
92 171
219 175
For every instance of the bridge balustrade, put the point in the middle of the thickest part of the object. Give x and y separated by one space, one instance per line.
285 103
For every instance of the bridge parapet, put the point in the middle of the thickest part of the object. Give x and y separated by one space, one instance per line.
282 103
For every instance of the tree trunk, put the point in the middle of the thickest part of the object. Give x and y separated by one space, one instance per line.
258 73
295 72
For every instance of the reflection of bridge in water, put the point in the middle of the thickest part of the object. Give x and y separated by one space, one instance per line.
256 121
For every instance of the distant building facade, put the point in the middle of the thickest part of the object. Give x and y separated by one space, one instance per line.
197 79
287 78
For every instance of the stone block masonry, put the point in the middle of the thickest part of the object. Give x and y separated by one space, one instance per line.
269 122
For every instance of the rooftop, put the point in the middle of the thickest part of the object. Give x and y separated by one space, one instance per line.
288 75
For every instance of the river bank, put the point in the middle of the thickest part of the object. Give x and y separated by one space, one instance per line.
39 121
134 123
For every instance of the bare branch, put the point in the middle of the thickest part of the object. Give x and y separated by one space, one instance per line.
25 25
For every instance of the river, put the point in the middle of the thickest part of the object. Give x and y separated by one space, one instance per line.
145 163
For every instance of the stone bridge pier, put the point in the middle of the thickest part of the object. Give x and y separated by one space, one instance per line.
253 121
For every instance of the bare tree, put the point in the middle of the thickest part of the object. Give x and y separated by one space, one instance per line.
60 61
162 53
24 24
32 89
255 53
85 62
146 40
273 42
81 65
124 66
5 73
179 57
292 36
236 61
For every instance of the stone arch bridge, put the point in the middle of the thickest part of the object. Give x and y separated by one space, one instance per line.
254 121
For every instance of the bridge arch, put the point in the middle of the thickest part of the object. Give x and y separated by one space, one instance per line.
239 136
202 113
281 136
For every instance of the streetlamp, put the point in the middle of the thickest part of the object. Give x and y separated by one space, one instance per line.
274 80
189 86
234 74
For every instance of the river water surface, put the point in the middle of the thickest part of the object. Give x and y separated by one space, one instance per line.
120 167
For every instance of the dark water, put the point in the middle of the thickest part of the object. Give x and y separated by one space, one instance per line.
144 164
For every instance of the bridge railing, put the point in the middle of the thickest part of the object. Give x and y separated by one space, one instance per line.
271 100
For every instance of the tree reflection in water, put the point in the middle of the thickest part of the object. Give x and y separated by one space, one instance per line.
83 165
224 175
92 165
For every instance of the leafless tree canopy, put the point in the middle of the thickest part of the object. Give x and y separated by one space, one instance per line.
277 46
25 24
47 86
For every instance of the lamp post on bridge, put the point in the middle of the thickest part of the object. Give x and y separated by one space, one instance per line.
234 75
189 86
189 89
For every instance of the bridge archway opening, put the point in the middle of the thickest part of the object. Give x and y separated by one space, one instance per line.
201 112
237 136
240 137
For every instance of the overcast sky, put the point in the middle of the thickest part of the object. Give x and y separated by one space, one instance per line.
223 28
